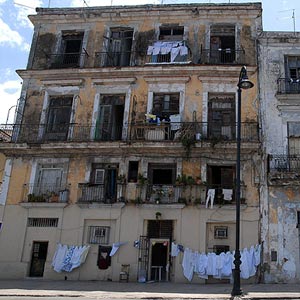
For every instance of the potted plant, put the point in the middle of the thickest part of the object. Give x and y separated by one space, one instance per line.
142 180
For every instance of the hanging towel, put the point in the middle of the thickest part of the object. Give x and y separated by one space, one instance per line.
227 193
115 247
210 197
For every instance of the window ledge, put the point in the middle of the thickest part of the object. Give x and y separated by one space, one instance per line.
101 205
43 204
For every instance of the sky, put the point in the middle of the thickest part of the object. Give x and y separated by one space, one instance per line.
16 34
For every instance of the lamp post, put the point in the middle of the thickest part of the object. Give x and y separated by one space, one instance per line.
244 83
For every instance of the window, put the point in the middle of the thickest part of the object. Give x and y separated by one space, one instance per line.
221 232
71 48
292 67
222 43
221 116
171 32
49 180
109 125
165 105
42 222
59 114
119 47
133 171
99 235
294 138
221 179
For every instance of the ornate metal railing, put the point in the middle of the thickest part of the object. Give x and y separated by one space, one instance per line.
223 56
284 163
40 133
199 131
46 193
288 86
67 60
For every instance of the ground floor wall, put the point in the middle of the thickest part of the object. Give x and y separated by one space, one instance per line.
192 226
280 234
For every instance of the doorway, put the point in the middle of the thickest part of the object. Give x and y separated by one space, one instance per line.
159 260
38 259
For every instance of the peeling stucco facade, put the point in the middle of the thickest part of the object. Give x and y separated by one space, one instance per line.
280 183
155 152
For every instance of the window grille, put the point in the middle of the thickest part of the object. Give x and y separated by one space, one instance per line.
42 222
99 235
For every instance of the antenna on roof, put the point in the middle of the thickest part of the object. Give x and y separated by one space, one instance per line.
49 3
293 17
85 3
23 5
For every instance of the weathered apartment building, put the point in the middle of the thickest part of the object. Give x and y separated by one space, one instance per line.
279 64
126 126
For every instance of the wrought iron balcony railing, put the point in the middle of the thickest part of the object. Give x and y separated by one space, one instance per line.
40 133
46 193
199 131
101 193
114 58
284 163
288 86
67 60
223 56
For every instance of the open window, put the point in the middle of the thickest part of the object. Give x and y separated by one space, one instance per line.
221 116
109 125
58 120
292 74
222 43
221 179
119 47
165 104
171 32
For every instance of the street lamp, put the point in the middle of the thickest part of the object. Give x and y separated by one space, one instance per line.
244 83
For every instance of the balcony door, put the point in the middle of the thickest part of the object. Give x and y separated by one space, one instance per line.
120 44
221 117
71 48
109 125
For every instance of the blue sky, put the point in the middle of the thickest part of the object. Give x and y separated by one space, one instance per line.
16 33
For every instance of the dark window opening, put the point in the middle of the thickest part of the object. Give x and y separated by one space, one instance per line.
221 116
109 125
59 114
222 44
71 48
221 178
160 229
162 174
133 171
218 249
119 48
174 33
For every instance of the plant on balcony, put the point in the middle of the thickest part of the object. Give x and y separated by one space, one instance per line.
181 180
121 179
142 180
35 198
54 197
187 142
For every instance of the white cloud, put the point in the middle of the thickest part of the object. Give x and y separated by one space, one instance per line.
25 8
11 38
2 1
9 95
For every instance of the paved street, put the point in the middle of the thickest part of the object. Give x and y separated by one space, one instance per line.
41 289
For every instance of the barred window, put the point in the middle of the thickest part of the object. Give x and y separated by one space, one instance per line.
99 235
42 222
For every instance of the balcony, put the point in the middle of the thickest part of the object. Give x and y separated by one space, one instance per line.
40 133
46 193
288 86
200 131
67 60
284 163
6 133
223 56
284 169
114 59
100 193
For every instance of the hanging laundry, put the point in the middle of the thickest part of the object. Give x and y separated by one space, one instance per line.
257 253
227 194
210 197
136 244
201 265
174 250
251 261
245 274
226 270
104 260
59 256
115 247
187 264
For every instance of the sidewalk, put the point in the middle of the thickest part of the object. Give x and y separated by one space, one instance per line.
162 290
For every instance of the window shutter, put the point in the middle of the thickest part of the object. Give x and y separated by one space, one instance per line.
99 176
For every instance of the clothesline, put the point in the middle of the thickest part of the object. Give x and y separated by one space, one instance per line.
219 266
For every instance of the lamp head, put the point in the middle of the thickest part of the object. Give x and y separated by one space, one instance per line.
244 82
